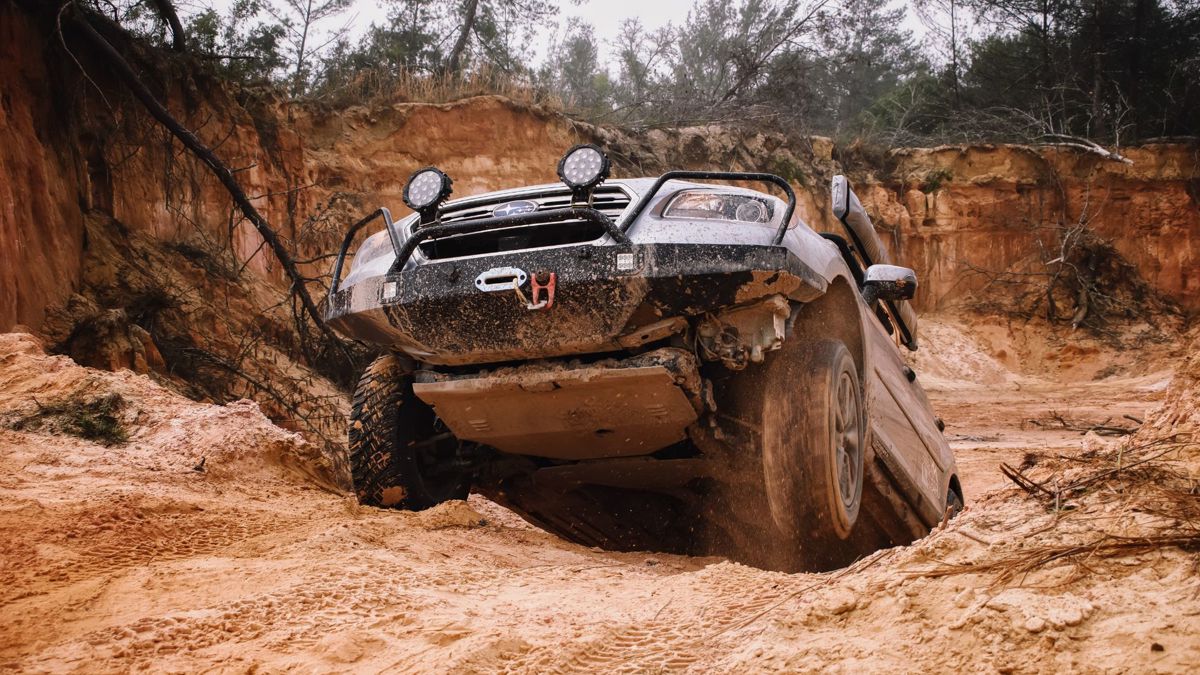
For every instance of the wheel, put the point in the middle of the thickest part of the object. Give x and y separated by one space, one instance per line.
400 455
812 443
954 502
805 407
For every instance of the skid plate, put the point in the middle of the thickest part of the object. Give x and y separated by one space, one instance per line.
581 413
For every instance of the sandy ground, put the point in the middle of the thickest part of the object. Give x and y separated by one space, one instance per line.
125 557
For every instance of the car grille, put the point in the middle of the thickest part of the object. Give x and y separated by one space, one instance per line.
611 200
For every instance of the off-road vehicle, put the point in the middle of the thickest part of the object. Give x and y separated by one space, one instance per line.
661 363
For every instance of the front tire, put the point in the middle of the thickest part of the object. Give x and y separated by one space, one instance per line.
812 442
400 454
796 495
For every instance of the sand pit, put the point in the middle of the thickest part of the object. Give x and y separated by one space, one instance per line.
206 537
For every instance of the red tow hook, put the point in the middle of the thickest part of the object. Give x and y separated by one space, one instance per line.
536 287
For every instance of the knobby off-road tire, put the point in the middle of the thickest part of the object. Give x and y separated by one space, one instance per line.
813 440
806 402
954 503
399 457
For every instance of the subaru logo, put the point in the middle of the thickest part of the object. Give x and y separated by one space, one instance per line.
515 208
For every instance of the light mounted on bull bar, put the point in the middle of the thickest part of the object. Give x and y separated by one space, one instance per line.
425 191
405 246
582 169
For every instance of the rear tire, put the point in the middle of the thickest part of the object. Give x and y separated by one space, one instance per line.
954 502
400 456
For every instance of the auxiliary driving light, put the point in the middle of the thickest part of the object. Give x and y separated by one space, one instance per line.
583 168
425 192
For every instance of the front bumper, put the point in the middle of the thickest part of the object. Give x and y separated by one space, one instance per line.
606 298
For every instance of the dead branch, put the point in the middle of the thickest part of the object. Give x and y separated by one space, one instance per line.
1154 488
1106 546
123 70
230 57
167 11
1064 141
239 372
1168 445
1101 429
1128 459
1025 482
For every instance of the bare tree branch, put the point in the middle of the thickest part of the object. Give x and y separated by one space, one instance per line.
218 168
754 68
1065 141
168 13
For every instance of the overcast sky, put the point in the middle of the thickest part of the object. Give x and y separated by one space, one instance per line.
605 15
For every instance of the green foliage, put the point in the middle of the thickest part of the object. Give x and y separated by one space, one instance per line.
93 419
640 57
724 50
790 171
868 58
1109 70
422 37
301 21
933 180
574 70
411 40
241 47
1106 69
505 31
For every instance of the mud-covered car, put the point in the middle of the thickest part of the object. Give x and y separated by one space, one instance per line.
673 363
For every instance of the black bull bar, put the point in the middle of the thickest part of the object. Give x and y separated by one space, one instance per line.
404 249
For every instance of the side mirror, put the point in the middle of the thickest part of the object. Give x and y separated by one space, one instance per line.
889 282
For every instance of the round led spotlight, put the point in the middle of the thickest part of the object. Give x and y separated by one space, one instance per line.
426 190
584 167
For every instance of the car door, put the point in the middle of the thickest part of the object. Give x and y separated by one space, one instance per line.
904 432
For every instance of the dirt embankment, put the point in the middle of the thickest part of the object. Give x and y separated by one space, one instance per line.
964 215
123 251
67 153
142 530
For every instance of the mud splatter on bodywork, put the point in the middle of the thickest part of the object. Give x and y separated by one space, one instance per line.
438 315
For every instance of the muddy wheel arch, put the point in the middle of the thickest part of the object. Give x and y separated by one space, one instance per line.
835 314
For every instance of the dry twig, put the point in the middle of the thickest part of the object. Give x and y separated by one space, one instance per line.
1025 561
